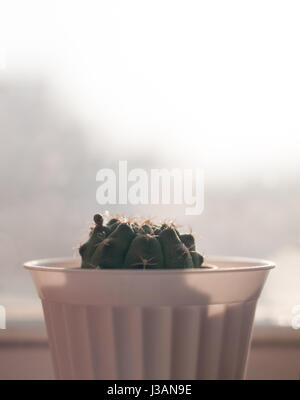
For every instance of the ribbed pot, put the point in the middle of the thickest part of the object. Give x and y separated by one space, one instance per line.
149 324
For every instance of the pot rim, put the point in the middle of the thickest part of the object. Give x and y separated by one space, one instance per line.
208 268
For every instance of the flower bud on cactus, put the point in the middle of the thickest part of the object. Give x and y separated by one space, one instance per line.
138 246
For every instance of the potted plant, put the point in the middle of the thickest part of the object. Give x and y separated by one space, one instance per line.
143 304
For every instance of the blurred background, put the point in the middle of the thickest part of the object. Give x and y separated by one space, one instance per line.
162 84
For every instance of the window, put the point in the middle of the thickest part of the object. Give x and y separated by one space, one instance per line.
183 88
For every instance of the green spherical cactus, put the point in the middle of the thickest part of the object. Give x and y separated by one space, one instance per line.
134 245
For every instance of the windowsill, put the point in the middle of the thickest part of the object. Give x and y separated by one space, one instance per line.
274 353
34 333
275 335
27 327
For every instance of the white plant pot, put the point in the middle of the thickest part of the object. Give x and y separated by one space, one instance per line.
149 324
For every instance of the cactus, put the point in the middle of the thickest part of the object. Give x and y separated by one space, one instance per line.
134 245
